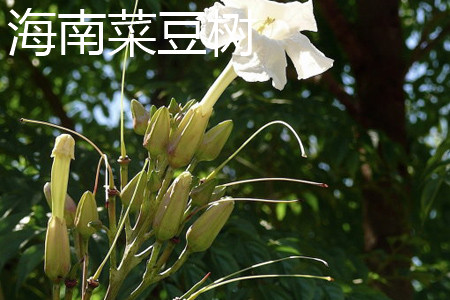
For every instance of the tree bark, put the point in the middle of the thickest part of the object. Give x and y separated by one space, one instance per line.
379 66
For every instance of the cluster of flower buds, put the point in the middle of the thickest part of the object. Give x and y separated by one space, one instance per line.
176 135
178 132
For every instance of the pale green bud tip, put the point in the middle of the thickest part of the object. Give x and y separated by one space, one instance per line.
86 213
170 211
140 117
205 229
64 146
174 108
157 133
214 140
129 190
202 193
186 138
57 251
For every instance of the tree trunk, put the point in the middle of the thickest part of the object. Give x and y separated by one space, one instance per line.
374 45
379 80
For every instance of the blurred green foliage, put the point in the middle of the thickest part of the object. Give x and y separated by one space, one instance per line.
327 223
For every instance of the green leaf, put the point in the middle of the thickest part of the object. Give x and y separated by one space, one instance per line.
28 261
429 194
10 245
8 222
333 291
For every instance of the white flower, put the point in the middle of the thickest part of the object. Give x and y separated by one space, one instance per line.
275 30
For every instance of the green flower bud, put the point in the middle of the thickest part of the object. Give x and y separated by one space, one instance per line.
57 250
128 191
153 110
157 134
154 183
185 139
69 207
213 141
218 193
140 117
188 105
174 108
86 212
201 194
205 229
170 210
63 153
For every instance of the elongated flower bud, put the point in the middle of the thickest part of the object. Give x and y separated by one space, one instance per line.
140 117
170 211
157 134
218 193
185 139
128 191
63 153
86 212
174 108
69 207
205 229
188 105
213 141
154 182
57 251
201 194
153 110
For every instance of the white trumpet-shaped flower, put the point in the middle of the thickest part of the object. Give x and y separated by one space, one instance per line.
274 31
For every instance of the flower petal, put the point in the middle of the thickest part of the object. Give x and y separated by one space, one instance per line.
213 22
307 59
266 61
299 16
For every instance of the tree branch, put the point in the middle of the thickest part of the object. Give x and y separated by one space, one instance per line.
343 30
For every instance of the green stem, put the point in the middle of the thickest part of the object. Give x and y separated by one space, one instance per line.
123 151
123 161
84 243
165 255
175 267
121 225
128 230
149 271
69 293
222 82
171 244
152 261
88 294
112 229
55 291
154 204
143 214
192 165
